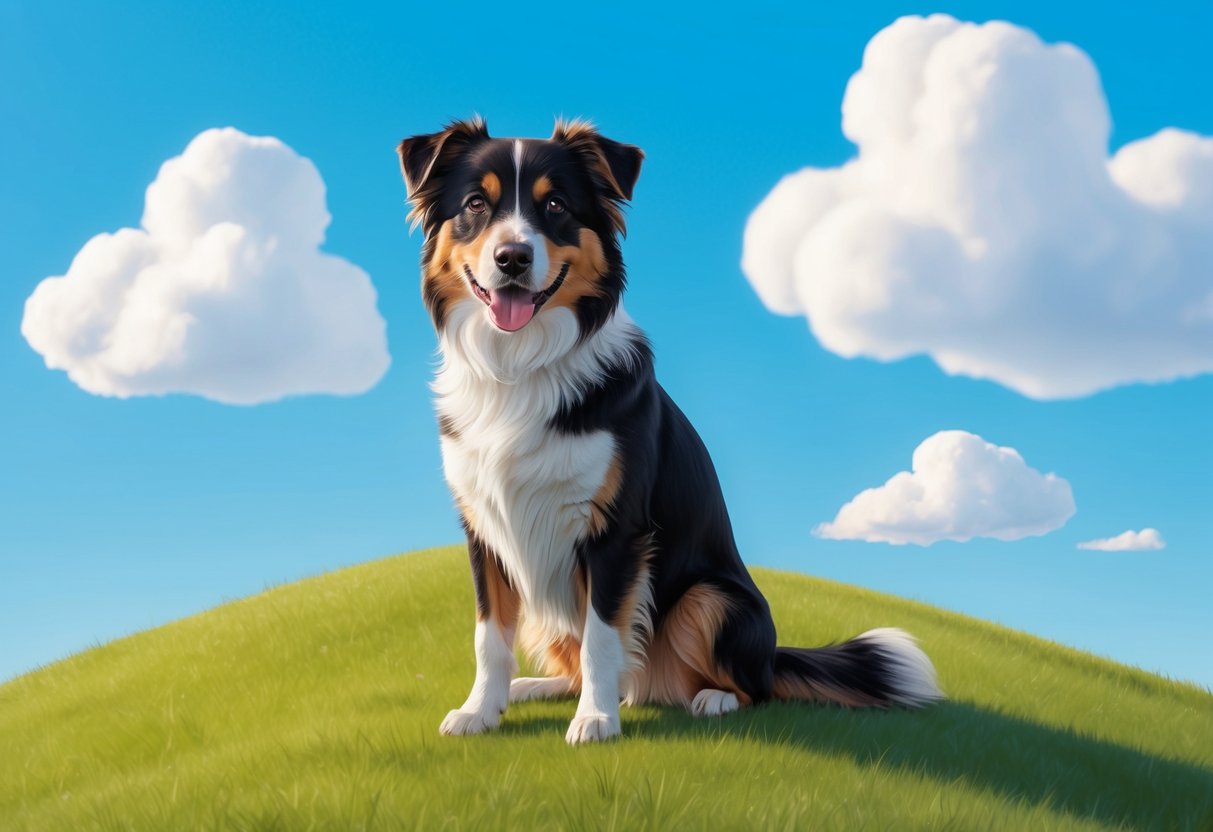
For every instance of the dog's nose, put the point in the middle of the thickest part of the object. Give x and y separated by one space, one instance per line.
514 258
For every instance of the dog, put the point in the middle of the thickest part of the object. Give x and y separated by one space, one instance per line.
594 517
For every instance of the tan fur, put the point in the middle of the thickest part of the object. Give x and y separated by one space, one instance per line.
587 265
504 602
563 658
604 498
491 185
634 622
442 278
557 655
541 188
444 273
468 253
680 658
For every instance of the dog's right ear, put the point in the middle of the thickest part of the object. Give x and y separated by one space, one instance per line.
423 159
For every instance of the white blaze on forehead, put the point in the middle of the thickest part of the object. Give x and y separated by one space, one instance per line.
518 178
516 228
513 228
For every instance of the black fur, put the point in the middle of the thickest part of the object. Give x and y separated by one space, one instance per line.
857 666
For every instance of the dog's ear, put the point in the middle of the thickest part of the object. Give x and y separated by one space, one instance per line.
613 166
423 160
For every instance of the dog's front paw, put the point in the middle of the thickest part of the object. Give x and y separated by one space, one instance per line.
461 723
592 728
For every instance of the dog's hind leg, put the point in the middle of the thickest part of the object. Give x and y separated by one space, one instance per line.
713 652
541 687
560 657
712 702
743 651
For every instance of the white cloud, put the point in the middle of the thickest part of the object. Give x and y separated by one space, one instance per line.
959 487
1129 541
223 292
982 222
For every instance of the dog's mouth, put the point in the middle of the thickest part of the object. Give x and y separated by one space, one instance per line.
512 307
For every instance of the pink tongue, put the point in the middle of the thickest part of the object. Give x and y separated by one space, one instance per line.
512 309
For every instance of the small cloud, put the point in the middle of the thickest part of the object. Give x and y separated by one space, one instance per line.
1130 541
223 292
959 487
983 223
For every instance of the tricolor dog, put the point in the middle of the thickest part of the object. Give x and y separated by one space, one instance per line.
596 527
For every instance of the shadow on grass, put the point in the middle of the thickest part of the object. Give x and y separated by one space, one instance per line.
535 725
1012 757
1009 756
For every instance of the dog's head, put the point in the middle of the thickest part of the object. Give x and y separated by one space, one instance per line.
520 227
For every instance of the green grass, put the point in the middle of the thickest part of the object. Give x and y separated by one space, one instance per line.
316 706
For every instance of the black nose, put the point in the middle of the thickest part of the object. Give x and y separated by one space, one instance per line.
513 258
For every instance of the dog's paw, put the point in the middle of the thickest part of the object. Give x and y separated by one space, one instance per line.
710 702
461 723
592 728
539 688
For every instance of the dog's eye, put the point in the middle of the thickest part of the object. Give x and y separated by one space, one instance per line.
476 205
556 205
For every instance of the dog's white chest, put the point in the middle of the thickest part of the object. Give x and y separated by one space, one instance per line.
527 490
525 486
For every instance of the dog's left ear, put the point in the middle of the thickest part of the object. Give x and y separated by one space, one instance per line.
613 166
623 160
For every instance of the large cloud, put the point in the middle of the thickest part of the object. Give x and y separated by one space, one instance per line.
959 487
223 292
1130 541
983 223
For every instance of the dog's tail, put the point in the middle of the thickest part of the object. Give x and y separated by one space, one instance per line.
878 668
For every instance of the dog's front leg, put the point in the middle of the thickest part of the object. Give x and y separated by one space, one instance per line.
496 620
611 566
597 716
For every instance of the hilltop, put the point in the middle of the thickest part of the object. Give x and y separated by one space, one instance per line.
316 705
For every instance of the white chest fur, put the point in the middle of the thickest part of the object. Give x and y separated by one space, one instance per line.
525 486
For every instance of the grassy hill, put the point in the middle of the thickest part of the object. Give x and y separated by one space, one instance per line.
316 706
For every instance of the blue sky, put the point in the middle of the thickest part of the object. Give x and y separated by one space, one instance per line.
116 514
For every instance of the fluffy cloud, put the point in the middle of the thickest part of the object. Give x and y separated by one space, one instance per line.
982 222
959 487
223 292
1129 541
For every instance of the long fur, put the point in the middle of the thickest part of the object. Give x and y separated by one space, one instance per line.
596 524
